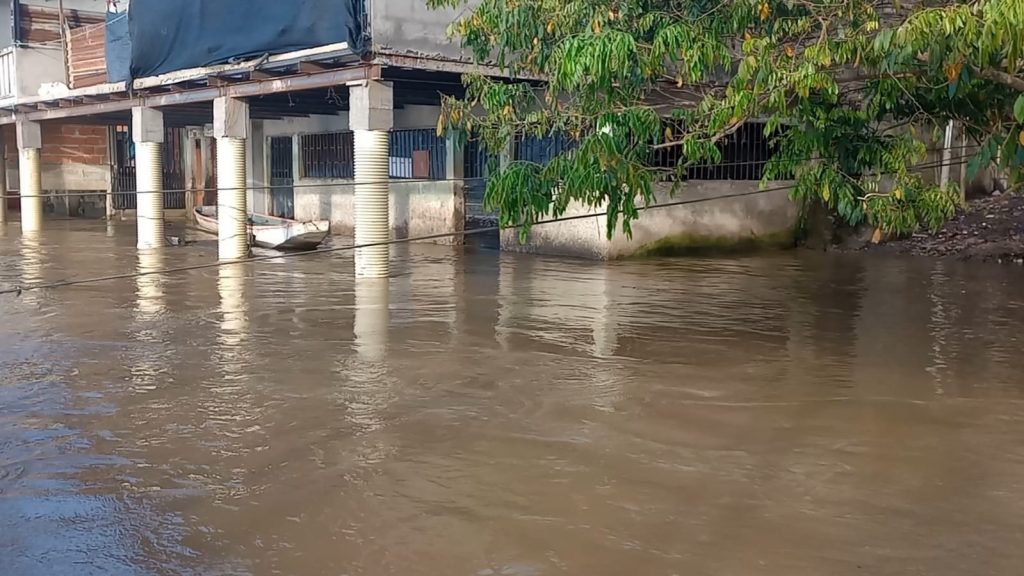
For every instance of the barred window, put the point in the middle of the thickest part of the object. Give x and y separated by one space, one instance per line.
329 155
745 153
418 154
413 154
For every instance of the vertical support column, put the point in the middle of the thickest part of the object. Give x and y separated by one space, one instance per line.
371 115
231 129
30 142
947 154
455 170
111 176
3 178
148 133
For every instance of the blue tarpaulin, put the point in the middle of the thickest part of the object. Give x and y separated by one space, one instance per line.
118 48
164 36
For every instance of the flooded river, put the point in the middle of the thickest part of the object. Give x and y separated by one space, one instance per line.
486 415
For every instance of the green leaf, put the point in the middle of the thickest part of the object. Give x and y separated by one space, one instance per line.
1018 109
973 167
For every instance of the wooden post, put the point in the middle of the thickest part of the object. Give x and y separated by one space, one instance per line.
62 22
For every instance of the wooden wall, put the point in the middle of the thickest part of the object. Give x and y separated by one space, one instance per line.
87 63
42 25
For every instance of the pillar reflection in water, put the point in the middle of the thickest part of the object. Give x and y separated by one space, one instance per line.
372 318
233 334
32 257
27 268
150 300
365 390
508 299
150 361
604 325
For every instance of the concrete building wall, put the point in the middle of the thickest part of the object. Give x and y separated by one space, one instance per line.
720 220
70 145
409 27
418 208
38 69
408 117
311 125
74 159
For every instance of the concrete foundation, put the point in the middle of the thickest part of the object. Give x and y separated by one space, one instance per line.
722 221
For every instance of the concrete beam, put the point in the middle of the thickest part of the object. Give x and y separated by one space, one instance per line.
326 79
230 118
384 58
371 106
147 125
30 135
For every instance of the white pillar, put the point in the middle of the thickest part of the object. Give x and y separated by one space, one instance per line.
371 115
231 128
947 153
30 142
148 133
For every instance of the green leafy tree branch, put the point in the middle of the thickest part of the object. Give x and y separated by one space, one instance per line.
851 93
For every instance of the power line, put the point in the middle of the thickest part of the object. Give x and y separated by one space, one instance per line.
76 282
347 183
245 217
350 247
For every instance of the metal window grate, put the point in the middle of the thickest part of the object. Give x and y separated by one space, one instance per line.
478 164
745 153
542 150
418 153
328 155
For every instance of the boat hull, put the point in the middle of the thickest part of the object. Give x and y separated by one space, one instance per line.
270 231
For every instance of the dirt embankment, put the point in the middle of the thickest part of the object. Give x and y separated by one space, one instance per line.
991 229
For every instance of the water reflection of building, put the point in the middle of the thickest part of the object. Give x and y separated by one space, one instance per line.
541 307
539 300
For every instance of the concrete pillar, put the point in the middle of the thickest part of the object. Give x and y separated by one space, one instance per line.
947 153
371 116
30 144
3 179
148 133
231 129
455 170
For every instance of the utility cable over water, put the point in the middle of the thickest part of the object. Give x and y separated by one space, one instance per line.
18 290
954 161
349 247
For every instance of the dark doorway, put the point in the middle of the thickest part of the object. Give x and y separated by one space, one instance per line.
282 177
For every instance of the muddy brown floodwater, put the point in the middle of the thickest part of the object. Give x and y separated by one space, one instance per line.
486 415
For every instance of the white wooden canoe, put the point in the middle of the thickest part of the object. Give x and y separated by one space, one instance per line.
270 231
